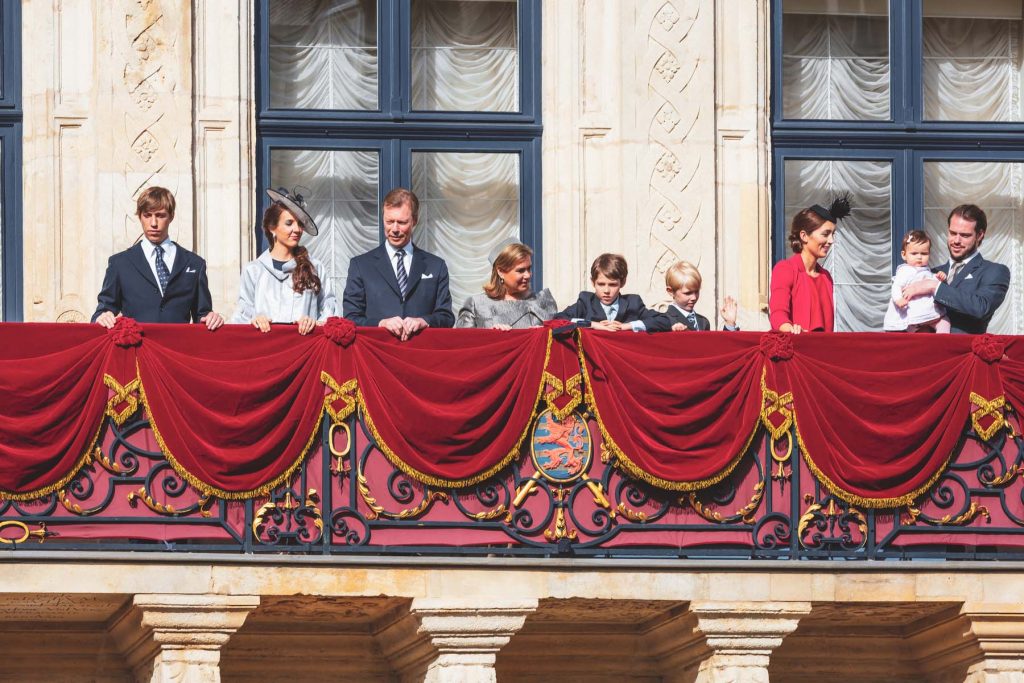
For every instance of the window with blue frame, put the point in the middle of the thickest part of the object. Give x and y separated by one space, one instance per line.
442 96
914 107
10 160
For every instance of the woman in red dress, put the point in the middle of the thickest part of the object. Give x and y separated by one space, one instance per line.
801 290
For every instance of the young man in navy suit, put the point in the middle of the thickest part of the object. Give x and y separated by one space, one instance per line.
398 286
974 288
156 280
607 309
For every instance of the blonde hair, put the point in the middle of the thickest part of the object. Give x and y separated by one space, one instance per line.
506 261
682 274
155 199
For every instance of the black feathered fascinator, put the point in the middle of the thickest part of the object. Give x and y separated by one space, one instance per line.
838 210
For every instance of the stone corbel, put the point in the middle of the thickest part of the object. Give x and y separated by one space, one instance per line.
179 637
998 630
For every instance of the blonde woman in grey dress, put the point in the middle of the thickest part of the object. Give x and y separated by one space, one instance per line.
508 302
283 285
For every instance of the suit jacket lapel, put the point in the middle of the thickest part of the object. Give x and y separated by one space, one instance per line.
596 309
620 313
179 264
385 270
416 271
138 259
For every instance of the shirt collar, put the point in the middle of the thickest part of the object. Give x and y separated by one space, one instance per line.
965 261
148 247
408 248
608 307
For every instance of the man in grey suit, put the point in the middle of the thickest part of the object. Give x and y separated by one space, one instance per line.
398 286
974 288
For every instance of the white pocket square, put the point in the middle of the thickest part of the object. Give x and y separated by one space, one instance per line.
969 276
190 270
427 276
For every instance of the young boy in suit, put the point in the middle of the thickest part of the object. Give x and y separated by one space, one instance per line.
682 281
606 308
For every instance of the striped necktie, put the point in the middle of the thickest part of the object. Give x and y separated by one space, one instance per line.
403 277
955 270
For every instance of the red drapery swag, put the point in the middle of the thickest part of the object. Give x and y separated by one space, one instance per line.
878 417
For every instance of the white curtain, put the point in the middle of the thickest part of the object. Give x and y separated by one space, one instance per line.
469 202
464 58
833 69
323 54
860 261
465 55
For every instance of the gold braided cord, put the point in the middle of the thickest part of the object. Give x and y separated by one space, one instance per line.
431 480
80 462
339 392
993 409
635 470
208 489
893 502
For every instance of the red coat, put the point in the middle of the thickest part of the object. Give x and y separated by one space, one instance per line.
798 298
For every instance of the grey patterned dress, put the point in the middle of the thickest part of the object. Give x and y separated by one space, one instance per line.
481 311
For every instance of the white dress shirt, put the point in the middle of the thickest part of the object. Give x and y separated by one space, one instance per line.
611 310
406 260
149 250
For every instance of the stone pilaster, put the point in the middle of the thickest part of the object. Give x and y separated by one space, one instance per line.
741 637
179 637
998 629
453 640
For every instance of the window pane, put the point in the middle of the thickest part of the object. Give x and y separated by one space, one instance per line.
340 189
996 188
972 61
861 260
465 55
469 201
835 60
323 54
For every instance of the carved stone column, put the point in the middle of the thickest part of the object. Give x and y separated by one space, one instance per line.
741 637
179 637
453 640
998 629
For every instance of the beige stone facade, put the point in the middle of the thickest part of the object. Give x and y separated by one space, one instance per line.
163 619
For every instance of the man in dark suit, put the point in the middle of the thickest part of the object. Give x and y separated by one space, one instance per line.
973 288
156 280
606 308
398 286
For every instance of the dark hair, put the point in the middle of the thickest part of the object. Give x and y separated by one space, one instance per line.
807 221
916 237
506 260
155 199
304 276
400 197
612 266
972 213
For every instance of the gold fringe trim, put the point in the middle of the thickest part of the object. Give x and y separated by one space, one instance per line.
635 470
876 503
208 489
438 482
80 462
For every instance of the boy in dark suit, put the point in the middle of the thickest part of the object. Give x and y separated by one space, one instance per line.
606 308
398 286
682 281
156 280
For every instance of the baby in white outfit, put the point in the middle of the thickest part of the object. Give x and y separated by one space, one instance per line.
922 312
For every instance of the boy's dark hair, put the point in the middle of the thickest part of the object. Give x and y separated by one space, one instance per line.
916 237
612 266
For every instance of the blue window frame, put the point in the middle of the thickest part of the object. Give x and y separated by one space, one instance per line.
907 139
10 159
395 130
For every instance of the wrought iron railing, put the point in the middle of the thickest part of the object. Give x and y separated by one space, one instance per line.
566 499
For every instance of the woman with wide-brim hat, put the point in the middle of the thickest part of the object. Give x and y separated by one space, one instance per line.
283 285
